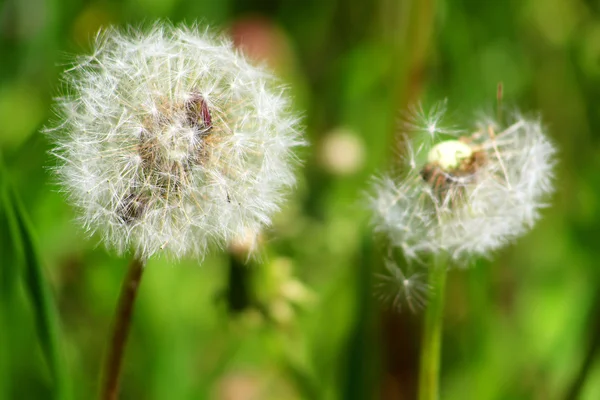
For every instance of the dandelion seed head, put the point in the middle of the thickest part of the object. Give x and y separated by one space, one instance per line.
468 195
170 140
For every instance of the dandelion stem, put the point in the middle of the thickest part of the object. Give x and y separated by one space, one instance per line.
431 341
116 348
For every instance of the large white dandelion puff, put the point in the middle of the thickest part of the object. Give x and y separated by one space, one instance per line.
465 195
169 139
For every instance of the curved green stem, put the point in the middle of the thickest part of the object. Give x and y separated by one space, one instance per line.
431 342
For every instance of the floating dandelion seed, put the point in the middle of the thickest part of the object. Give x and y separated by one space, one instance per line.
170 140
464 196
431 121
396 287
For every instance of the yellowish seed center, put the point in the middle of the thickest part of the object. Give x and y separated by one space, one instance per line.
449 154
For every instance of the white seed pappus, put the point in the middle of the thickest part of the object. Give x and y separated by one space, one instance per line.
169 139
466 204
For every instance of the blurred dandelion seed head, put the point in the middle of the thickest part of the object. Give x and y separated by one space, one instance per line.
342 152
464 194
169 140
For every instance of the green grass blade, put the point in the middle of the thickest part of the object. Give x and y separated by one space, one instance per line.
9 281
38 291
9 240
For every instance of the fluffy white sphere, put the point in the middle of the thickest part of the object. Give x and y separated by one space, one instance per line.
169 139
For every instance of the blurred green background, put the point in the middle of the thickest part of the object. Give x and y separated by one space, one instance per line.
301 321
